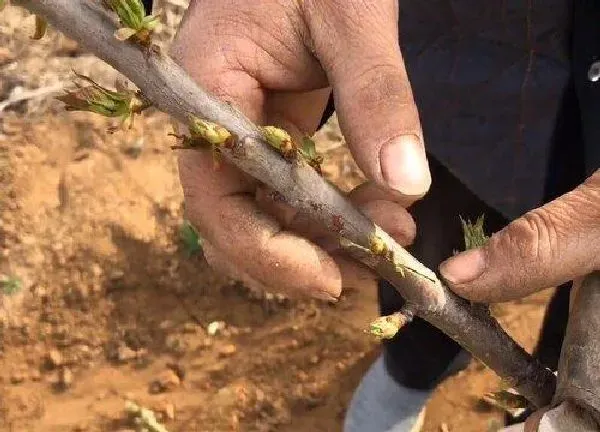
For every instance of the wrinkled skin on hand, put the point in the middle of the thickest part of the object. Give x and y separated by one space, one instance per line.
278 61
546 247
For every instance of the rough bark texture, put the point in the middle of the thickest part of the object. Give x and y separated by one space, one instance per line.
578 369
171 90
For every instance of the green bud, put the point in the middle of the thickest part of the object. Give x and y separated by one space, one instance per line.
137 24
93 97
386 327
3 4
309 153
211 132
277 138
474 233
377 245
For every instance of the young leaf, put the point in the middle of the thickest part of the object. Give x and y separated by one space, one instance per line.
192 242
95 98
137 24
309 153
474 233
309 148
3 4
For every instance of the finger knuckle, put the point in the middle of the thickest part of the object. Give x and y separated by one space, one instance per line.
380 85
586 200
534 237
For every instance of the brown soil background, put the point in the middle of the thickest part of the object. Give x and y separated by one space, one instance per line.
111 303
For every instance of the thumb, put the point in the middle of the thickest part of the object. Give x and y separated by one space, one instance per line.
546 247
373 97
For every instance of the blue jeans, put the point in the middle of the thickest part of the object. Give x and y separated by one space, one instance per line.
380 404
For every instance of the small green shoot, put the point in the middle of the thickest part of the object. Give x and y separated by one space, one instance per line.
387 326
137 24
213 133
282 141
92 97
192 242
11 286
309 152
474 233
205 134
3 4
378 246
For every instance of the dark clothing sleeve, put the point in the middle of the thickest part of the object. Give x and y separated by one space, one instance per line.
148 5
586 51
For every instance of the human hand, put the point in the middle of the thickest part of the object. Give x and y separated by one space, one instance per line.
546 247
277 61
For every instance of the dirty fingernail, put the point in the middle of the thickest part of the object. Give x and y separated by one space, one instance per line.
464 267
404 165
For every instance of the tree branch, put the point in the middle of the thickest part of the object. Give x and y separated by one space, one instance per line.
578 374
171 90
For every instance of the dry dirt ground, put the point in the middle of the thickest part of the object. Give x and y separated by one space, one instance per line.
112 308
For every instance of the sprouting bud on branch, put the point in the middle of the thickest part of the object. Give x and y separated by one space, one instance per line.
474 233
136 23
380 248
123 103
309 152
205 134
211 132
386 327
3 4
282 141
